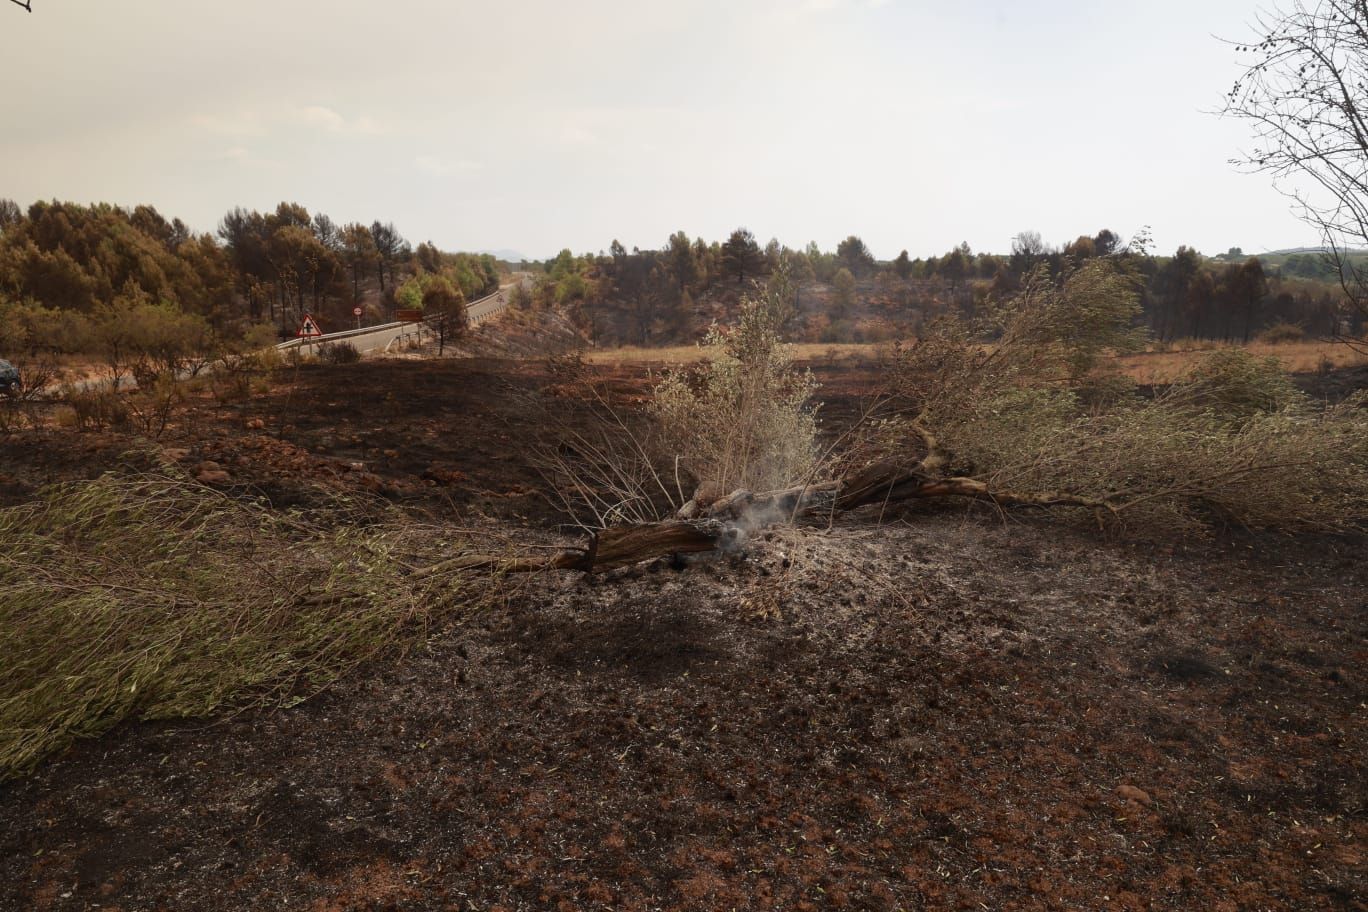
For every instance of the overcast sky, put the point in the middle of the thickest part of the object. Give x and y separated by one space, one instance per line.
541 124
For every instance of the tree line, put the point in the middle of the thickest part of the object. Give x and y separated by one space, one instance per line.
671 294
102 278
66 269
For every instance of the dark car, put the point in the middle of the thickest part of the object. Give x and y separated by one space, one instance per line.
9 378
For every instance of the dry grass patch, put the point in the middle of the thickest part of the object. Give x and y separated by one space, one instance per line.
1161 367
676 355
1149 367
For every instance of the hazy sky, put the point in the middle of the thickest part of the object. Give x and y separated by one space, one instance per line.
541 124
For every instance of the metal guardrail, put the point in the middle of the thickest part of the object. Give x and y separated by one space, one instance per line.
330 337
475 320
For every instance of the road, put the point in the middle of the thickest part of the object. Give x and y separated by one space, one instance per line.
367 338
479 311
382 337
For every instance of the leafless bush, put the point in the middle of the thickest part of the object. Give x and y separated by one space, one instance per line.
150 407
251 358
603 468
20 409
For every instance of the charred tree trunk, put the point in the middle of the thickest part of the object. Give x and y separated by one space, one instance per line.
619 546
709 522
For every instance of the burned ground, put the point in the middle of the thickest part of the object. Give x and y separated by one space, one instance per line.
441 438
944 711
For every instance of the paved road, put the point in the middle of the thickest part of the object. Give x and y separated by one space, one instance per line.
378 338
481 310
367 338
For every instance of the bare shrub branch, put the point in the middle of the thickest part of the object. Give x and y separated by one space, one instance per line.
1303 94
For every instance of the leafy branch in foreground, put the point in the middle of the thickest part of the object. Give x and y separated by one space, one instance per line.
150 597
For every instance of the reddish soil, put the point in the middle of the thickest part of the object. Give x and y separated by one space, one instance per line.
943 712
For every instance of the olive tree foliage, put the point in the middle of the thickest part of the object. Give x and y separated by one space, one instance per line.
744 419
1304 91
1019 407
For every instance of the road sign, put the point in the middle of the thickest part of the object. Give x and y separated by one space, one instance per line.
308 328
356 311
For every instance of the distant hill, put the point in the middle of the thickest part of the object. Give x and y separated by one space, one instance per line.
1292 251
1309 262
508 256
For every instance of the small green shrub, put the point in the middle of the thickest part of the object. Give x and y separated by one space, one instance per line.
743 419
1235 384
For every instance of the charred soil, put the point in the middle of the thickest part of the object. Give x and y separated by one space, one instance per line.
945 710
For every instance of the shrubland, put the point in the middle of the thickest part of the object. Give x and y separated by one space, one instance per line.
1023 407
744 418
1019 406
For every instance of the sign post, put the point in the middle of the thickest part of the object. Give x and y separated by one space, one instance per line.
356 312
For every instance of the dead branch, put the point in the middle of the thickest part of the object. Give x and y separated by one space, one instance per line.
880 482
619 546
707 523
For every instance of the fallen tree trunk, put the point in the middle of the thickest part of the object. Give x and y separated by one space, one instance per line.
882 483
622 546
618 546
703 526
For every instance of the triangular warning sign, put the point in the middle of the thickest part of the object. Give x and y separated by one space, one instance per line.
308 328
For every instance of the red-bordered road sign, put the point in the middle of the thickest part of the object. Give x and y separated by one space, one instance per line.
308 328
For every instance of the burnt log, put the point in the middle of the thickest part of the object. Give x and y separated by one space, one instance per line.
881 482
621 546
708 522
617 546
